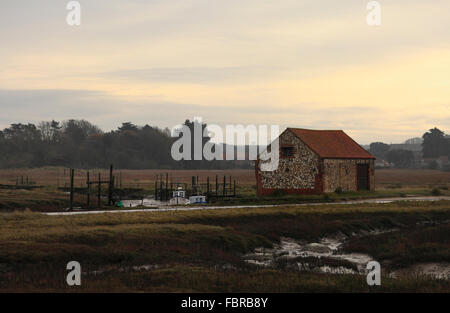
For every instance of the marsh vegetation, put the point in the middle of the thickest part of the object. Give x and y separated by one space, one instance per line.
204 250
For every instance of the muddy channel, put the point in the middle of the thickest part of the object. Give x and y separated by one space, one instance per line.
327 256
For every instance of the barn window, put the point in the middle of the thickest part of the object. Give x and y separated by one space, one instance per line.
287 152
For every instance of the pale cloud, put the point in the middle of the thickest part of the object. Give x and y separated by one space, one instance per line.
296 63
198 75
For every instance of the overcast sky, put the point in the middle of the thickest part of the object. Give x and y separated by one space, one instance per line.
310 64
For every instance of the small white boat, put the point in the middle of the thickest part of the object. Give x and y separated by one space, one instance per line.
197 200
178 197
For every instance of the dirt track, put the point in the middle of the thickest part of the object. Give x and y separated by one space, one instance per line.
190 208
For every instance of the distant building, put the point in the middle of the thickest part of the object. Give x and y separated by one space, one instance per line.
380 163
317 161
414 141
413 146
442 161
439 163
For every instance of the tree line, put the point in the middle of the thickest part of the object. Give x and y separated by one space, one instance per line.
80 144
435 144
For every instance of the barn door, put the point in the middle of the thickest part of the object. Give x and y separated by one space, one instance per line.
363 177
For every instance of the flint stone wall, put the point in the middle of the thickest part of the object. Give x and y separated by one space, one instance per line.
298 172
342 173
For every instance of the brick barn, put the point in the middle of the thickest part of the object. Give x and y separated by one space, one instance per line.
317 161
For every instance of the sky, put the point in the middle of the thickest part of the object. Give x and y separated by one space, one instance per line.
310 64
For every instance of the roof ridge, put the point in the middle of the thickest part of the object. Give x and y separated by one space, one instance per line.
316 130
331 143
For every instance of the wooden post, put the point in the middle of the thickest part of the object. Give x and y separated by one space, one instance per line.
234 189
99 191
111 185
72 171
217 185
224 185
88 190
112 194
167 187
156 188
120 186
161 187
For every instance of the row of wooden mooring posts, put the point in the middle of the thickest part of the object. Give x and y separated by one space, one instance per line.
99 182
23 181
165 188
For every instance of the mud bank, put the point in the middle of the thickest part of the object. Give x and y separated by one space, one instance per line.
436 270
326 256
322 256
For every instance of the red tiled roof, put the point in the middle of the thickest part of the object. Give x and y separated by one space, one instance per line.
331 144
